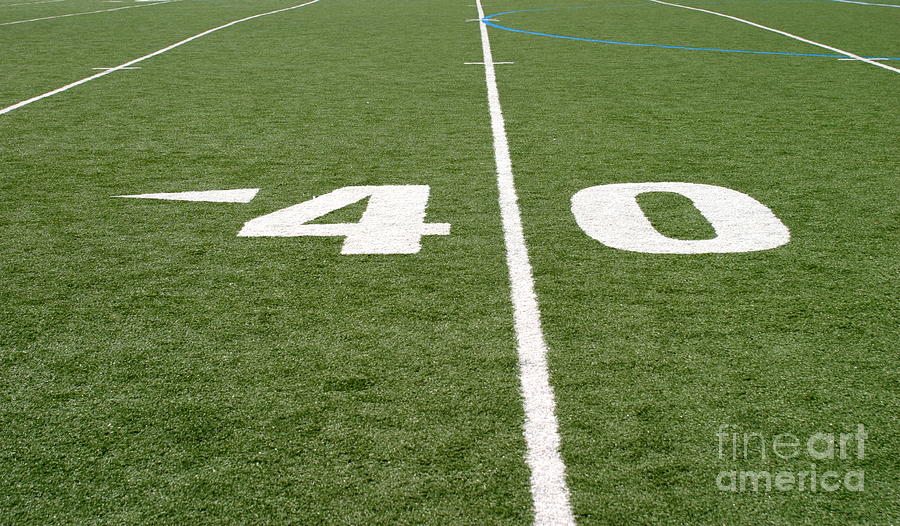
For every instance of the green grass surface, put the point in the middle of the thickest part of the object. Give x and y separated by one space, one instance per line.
157 369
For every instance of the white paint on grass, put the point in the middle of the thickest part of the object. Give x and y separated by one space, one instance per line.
104 69
549 491
865 3
611 214
84 13
482 63
241 195
393 223
784 33
32 3
145 57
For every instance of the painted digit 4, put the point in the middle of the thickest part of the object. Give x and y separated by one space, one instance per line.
393 223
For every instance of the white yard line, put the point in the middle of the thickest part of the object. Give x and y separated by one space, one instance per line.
84 13
785 33
548 473
145 57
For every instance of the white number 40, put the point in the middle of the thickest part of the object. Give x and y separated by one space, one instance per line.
394 220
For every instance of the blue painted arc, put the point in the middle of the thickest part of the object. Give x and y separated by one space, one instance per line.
486 20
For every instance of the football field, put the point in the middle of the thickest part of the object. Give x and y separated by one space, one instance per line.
449 262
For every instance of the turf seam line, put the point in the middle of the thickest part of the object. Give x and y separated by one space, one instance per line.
549 492
145 57
784 33
85 13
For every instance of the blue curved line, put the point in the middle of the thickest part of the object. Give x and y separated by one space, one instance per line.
487 22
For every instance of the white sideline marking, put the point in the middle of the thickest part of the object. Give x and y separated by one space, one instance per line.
241 195
133 67
145 57
873 58
548 473
785 33
85 13
482 63
31 3
865 3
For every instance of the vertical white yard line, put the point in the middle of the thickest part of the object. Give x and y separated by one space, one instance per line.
785 33
549 491
145 57
84 13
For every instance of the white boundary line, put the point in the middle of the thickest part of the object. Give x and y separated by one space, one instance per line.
548 472
785 33
865 3
145 57
31 3
84 13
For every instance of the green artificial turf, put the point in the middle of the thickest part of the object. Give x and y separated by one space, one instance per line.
157 369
